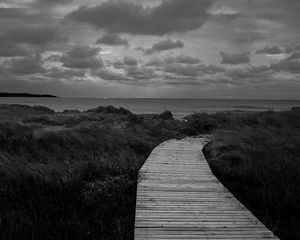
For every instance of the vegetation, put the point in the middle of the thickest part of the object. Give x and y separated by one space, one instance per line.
72 175
7 94
256 156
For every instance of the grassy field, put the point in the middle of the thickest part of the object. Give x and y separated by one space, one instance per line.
256 156
73 175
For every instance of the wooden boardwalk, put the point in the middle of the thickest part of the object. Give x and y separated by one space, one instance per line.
178 197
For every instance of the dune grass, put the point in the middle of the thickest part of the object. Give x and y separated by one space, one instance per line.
256 156
73 175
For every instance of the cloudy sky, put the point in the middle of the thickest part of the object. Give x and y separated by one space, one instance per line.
151 48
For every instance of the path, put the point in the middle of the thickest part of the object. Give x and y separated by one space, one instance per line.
178 197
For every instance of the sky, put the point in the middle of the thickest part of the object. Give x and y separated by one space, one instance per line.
224 49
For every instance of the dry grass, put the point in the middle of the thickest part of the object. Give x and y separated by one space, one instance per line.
257 158
73 175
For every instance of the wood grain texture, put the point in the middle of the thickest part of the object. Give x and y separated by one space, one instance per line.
178 197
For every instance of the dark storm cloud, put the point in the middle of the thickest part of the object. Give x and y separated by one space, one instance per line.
120 16
112 39
270 50
163 45
237 58
82 57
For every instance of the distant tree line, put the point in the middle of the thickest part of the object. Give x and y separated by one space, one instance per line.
7 94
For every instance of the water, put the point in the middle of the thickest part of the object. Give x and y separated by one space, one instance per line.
179 107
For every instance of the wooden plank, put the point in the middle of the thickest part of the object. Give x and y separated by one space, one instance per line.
179 198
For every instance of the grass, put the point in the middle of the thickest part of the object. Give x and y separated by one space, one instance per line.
72 175
256 156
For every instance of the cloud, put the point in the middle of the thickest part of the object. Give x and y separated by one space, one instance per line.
140 72
182 70
294 55
118 64
163 45
10 12
223 14
286 65
127 17
154 62
82 57
130 61
80 51
60 74
33 34
12 50
270 50
183 59
19 13
111 75
125 63
26 65
192 70
50 2
134 75
252 73
112 39
235 58
256 37
54 58
82 63
292 49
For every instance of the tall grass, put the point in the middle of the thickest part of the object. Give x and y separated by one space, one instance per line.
72 175
75 184
256 156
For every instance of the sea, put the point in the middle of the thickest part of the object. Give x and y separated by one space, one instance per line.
178 107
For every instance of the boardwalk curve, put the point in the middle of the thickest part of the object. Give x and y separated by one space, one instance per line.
178 197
